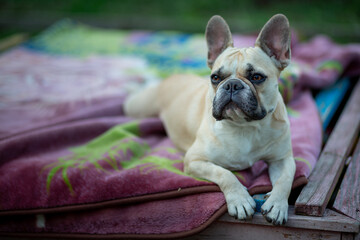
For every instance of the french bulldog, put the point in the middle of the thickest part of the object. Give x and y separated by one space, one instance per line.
233 119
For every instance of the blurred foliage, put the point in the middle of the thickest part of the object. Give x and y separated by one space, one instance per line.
339 19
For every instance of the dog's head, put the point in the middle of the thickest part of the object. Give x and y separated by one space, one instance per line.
244 81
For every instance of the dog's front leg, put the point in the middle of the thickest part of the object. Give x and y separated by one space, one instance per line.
240 204
275 209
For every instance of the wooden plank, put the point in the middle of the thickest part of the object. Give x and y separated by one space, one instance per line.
357 236
348 198
347 236
316 194
227 231
331 221
332 225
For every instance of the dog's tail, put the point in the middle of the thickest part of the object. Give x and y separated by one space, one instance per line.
143 103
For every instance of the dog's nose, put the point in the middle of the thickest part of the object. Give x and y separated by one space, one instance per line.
233 85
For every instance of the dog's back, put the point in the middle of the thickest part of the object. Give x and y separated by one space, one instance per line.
179 95
142 103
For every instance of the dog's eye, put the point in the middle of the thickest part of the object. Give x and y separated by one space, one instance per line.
257 78
215 78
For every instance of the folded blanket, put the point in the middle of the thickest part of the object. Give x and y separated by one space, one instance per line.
66 146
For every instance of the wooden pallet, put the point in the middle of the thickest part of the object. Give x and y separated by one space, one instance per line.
347 200
316 194
332 225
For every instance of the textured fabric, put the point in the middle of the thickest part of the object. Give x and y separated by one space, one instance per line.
129 160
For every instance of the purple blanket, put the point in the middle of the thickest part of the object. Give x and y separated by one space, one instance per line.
66 147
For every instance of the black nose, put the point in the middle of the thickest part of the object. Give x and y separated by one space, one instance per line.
233 85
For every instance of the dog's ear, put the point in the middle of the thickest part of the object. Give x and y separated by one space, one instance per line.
274 40
218 38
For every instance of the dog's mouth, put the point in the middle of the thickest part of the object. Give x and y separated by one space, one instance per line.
243 105
232 111
229 110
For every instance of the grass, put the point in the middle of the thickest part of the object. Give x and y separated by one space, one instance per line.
338 19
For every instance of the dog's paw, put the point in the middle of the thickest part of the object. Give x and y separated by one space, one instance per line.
275 211
240 205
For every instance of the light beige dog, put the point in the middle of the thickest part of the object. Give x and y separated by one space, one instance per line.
232 120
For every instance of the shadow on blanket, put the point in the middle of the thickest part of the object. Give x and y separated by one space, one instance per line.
72 165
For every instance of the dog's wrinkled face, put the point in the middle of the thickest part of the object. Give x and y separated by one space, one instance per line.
245 80
245 85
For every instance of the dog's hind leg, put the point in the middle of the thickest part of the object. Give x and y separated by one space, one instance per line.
143 103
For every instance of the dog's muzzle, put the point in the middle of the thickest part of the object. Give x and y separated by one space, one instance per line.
236 91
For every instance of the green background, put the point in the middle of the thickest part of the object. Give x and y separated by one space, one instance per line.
338 19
